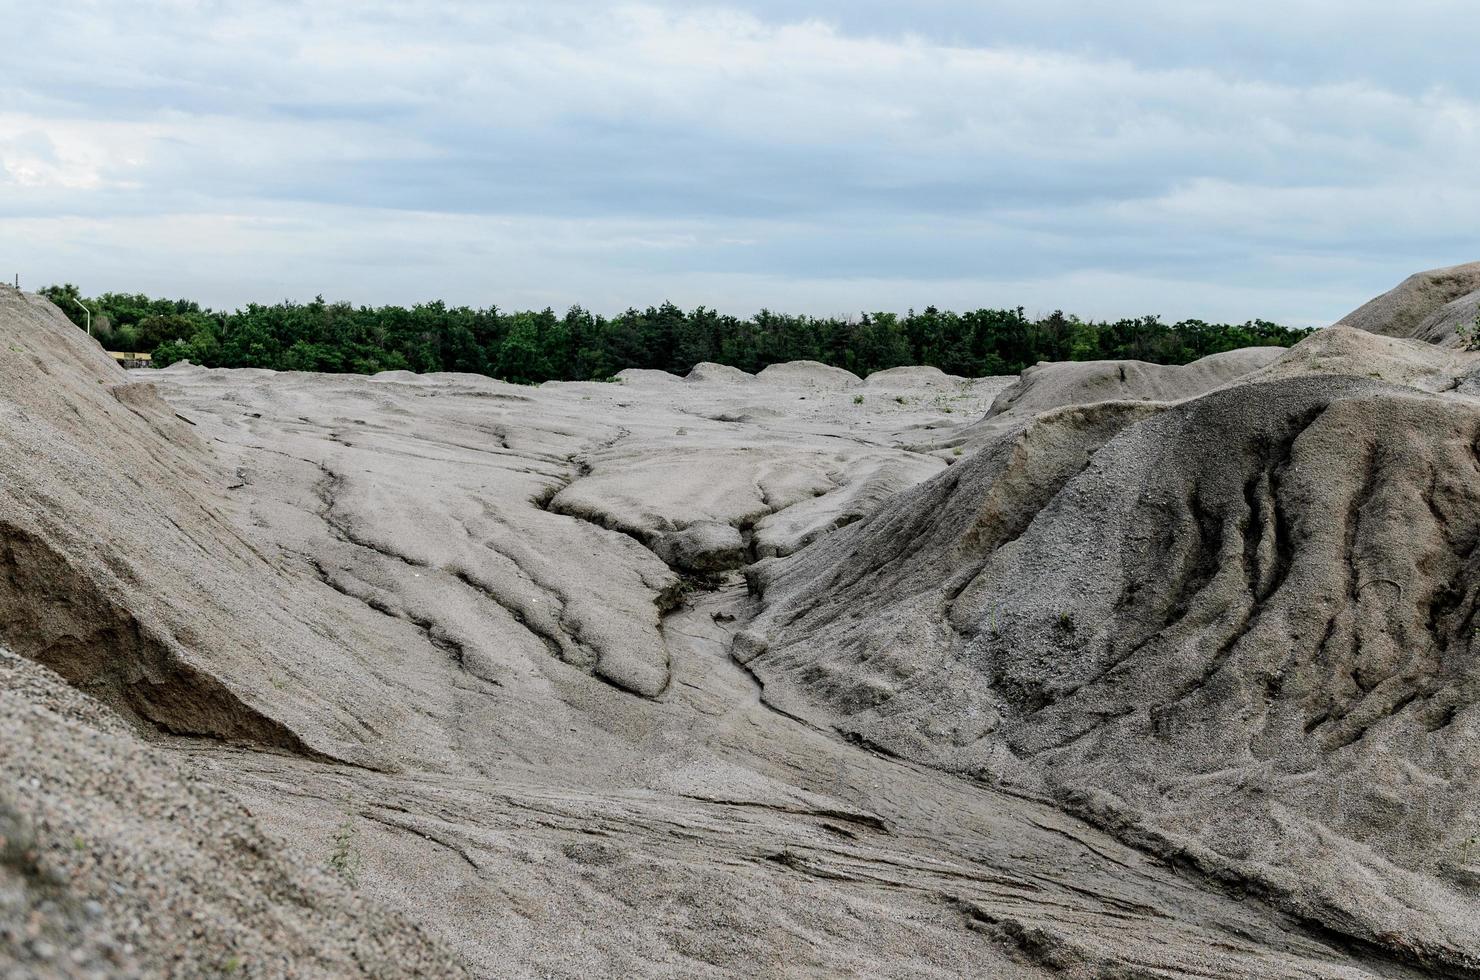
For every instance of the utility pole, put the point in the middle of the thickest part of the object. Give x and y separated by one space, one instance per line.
87 311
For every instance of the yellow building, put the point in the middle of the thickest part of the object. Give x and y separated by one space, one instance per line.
135 360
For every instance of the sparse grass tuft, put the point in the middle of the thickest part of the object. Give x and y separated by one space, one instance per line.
1470 334
1467 848
345 860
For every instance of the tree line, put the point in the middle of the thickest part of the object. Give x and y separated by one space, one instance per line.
529 346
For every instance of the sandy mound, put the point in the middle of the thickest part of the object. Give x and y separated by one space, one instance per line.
646 377
711 373
1345 351
398 377
1427 306
808 374
912 377
1051 385
1239 629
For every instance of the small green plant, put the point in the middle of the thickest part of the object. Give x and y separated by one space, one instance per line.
901 399
345 860
1470 333
1066 621
858 399
956 451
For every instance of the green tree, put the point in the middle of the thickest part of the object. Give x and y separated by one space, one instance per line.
521 357
532 346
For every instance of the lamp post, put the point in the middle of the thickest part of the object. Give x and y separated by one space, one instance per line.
84 310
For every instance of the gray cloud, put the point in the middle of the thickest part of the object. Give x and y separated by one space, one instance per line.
1207 159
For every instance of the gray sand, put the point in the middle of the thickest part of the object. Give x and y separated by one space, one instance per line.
1427 306
735 675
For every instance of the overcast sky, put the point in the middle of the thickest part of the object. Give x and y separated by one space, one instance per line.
1216 159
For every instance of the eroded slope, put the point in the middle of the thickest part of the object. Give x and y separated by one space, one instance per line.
1238 629
1430 306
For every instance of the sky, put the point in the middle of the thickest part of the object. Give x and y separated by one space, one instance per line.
1221 160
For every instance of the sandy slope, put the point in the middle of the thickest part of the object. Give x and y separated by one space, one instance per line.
1428 306
1238 629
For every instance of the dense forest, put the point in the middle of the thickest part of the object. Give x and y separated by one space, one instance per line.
532 346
